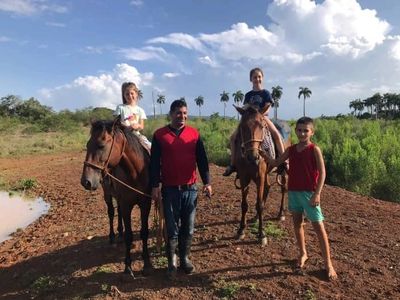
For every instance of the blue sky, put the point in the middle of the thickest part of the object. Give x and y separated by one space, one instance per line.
75 54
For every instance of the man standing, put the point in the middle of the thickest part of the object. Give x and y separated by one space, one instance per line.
176 150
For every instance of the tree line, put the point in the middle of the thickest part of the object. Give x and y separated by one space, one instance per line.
385 106
238 98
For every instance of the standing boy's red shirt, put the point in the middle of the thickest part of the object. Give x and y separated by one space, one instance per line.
303 170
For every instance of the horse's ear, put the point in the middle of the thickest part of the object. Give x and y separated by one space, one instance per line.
265 108
92 120
239 109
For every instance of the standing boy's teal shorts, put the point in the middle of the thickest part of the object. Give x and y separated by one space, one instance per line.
299 202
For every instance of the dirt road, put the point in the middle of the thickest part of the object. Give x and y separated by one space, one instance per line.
66 255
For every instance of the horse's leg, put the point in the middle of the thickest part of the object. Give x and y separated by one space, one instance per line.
110 212
120 227
245 208
126 210
262 194
281 215
145 206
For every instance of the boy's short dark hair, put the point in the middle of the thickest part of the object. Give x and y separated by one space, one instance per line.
177 104
305 121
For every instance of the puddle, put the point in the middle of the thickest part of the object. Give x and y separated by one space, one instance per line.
17 212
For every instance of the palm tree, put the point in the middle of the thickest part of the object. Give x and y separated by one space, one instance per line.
238 98
357 105
140 94
160 100
199 102
276 96
306 92
224 99
377 101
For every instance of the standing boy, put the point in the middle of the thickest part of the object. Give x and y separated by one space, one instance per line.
176 150
306 179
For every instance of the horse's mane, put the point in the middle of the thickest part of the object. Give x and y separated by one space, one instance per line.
135 145
132 138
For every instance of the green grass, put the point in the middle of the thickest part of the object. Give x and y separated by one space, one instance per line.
43 283
309 295
18 144
227 290
160 262
103 270
270 230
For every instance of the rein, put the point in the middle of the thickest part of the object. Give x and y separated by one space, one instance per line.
104 168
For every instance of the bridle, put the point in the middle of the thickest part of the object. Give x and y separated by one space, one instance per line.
105 169
251 140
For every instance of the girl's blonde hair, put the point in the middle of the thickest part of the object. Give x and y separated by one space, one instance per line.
128 85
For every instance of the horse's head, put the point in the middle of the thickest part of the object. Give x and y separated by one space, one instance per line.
251 132
103 150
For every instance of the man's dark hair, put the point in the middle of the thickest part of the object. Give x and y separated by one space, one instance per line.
305 121
177 104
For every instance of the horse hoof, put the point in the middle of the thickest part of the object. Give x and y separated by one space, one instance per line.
263 241
147 270
129 272
240 236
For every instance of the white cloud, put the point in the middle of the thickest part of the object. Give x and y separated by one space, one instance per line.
103 90
145 53
208 61
136 2
180 39
341 27
30 7
170 75
242 42
299 79
4 39
395 49
55 24
350 88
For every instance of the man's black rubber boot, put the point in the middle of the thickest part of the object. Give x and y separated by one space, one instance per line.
172 258
184 252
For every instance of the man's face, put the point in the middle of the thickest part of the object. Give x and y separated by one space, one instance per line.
178 117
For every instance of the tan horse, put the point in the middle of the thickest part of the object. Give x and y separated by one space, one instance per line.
110 149
252 166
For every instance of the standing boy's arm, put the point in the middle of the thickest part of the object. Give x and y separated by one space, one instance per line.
279 160
316 198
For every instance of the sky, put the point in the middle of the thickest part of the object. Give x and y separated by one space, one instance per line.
72 54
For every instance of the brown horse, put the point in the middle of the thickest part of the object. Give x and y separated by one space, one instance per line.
109 148
252 166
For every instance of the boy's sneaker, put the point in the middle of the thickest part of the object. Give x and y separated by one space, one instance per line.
229 170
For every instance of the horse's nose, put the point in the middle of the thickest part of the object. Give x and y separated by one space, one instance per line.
253 158
86 184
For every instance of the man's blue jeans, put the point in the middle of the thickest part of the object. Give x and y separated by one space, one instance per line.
179 211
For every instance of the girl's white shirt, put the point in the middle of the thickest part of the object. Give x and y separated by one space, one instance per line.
130 114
